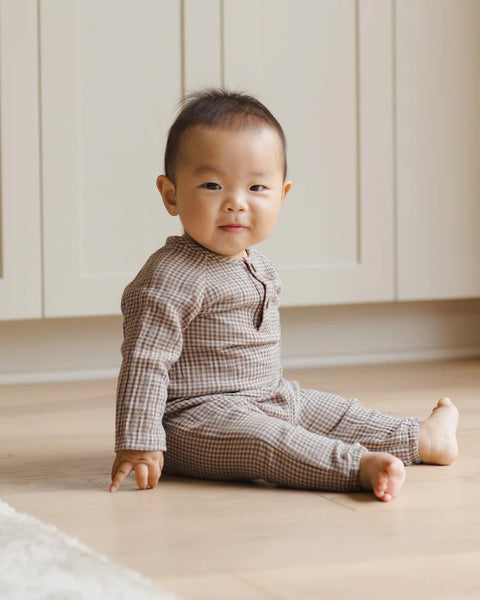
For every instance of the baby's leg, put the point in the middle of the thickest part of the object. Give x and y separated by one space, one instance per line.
349 421
232 439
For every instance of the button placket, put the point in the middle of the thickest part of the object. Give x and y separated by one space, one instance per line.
266 292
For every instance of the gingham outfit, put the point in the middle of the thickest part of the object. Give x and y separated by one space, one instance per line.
201 378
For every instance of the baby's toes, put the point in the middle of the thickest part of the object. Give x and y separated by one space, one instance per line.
381 486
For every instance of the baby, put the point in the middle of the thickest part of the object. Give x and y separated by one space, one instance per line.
201 391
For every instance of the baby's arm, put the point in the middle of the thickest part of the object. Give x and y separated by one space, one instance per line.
147 464
156 310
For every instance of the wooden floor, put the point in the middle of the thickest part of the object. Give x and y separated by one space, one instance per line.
209 540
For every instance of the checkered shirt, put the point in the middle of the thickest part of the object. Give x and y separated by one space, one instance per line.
196 325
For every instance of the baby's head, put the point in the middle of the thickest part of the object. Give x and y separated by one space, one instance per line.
225 171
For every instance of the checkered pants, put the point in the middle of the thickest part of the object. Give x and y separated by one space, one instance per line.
315 442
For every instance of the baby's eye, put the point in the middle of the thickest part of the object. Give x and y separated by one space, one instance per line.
210 185
257 188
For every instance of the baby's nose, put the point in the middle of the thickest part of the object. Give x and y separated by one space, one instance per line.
235 203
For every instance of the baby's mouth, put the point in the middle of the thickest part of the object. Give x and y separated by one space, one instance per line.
232 228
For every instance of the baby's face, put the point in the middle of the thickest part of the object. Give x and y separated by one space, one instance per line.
229 187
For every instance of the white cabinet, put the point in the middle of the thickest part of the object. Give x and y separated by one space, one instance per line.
438 148
379 101
324 68
20 243
111 79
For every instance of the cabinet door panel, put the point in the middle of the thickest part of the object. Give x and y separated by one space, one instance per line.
111 79
324 69
438 155
20 241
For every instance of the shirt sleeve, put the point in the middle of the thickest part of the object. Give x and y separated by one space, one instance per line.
154 321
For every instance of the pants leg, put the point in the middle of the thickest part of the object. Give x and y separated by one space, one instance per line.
347 420
237 440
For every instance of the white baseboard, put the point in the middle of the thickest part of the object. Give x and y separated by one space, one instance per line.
58 376
47 350
384 358
289 363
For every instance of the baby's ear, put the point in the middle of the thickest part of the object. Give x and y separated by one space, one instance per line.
167 188
287 186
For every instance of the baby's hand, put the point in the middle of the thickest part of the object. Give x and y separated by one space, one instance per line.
147 465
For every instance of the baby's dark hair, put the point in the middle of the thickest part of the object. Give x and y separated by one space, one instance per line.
218 108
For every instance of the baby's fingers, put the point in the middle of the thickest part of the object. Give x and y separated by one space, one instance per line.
147 476
154 473
120 475
141 475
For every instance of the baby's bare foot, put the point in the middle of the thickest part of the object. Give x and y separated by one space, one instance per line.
437 435
382 473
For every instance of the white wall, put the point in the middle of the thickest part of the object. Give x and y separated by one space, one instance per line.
69 349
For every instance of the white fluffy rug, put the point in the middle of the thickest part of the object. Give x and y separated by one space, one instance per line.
37 562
